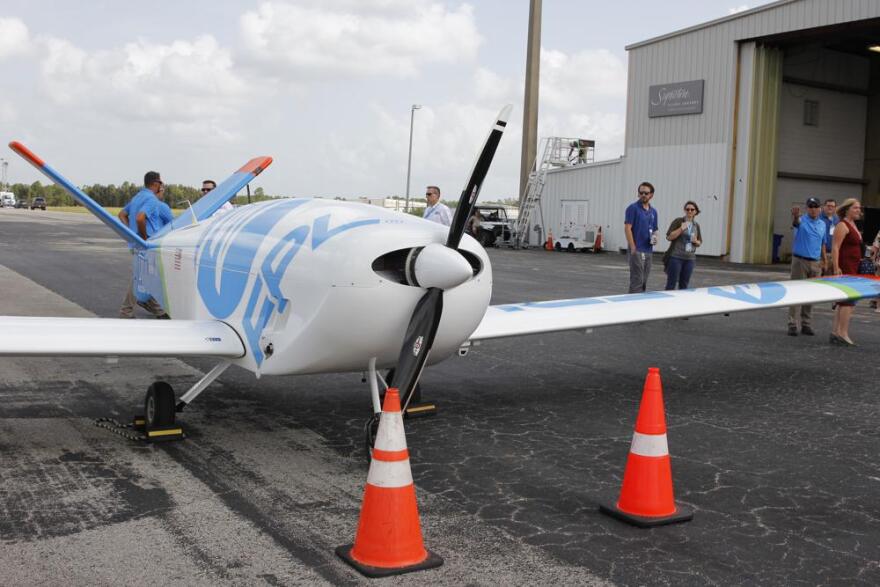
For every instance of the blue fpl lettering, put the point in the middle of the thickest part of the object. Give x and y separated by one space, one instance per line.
768 293
253 329
294 240
321 233
222 299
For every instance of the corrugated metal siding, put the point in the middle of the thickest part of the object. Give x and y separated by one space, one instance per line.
710 53
611 187
689 157
599 184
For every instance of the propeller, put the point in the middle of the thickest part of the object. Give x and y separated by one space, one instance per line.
438 268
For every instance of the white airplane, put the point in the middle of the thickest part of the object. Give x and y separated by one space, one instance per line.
300 286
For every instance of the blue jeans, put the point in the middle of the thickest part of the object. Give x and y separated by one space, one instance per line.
679 270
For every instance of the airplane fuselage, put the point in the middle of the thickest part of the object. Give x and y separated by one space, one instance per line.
296 279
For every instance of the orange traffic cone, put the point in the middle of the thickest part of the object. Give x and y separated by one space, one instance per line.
646 497
597 246
549 244
389 536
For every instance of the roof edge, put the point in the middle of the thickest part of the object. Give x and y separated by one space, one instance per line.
710 23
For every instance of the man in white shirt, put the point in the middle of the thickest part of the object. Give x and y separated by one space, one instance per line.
207 186
436 211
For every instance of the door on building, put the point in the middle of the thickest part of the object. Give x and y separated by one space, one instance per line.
574 219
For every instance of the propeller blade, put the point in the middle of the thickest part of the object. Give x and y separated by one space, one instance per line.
418 341
478 174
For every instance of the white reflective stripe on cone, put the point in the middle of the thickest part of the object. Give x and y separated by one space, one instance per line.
389 474
649 445
390 435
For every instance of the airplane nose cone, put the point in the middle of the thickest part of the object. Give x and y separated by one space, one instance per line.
439 266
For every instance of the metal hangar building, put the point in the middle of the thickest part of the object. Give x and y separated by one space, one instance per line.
747 115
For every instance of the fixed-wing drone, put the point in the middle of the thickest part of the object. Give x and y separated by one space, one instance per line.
298 286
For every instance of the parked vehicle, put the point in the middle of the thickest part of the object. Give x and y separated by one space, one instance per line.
7 199
38 202
21 204
494 227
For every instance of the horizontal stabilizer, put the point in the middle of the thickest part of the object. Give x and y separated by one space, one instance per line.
101 337
583 313
224 192
81 197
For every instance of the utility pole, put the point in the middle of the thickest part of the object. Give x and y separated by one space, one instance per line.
5 165
530 105
412 114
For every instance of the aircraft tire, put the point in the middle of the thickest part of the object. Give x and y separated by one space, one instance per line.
159 408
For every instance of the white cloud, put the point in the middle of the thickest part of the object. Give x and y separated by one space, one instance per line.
186 87
14 37
572 82
740 8
347 38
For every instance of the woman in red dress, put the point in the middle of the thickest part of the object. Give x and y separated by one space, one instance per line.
846 252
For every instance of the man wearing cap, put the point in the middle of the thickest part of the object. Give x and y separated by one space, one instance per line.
808 256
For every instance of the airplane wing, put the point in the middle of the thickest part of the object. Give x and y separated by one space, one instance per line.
583 313
26 335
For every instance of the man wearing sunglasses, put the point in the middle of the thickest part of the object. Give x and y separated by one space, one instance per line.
640 227
207 186
145 214
436 211
808 256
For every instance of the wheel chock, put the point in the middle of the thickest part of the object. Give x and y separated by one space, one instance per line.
421 410
138 422
165 434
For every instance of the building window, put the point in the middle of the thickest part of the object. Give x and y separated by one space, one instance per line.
811 113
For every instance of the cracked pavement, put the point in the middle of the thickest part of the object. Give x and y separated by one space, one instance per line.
774 444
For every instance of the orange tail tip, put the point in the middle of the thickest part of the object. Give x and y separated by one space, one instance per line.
646 496
26 153
389 534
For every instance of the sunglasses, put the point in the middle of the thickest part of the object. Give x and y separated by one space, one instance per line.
690 209
645 193
206 190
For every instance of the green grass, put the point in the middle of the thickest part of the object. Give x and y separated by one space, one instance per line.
82 210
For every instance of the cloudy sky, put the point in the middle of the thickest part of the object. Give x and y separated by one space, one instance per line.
105 90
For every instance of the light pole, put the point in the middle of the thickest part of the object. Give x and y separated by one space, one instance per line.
5 164
412 114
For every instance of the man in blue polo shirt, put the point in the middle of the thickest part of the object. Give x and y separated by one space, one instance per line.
829 209
145 214
640 227
808 256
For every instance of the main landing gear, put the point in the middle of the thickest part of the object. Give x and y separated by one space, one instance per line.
411 404
158 422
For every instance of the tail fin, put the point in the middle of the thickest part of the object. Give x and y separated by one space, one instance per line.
125 232
222 193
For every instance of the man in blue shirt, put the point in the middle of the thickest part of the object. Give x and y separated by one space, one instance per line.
808 255
829 209
145 214
640 227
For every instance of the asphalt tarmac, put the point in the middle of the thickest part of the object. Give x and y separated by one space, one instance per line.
774 444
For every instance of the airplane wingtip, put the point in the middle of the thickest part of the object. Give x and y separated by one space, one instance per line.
26 153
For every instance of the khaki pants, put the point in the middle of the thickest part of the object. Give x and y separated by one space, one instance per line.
128 302
639 269
802 269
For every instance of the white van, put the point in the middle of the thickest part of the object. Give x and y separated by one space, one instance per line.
7 199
